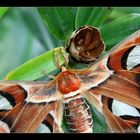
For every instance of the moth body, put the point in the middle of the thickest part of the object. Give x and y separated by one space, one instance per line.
78 115
77 112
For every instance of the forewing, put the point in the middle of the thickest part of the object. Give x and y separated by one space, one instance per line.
124 83
115 75
29 105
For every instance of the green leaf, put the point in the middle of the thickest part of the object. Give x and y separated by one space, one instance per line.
99 123
92 16
120 28
37 67
64 125
35 25
121 11
59 21
116 14
3 10
128 10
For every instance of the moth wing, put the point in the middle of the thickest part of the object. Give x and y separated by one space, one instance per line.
116 124
124 82
28 107
30 117
115 75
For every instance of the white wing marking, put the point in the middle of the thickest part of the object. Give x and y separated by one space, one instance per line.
133 58
120 109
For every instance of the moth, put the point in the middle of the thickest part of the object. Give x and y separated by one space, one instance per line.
111 84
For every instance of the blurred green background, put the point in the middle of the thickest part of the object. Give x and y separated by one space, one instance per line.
23 35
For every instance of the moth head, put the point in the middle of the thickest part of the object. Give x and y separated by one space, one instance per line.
85 44
68 82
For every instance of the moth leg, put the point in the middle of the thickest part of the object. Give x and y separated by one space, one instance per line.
56 60
66 59
48 75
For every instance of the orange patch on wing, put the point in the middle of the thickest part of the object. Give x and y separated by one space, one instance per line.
17 92
115 59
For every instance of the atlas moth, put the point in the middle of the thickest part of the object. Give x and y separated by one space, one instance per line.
111 84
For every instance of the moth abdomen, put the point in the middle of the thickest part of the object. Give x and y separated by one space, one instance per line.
78 115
